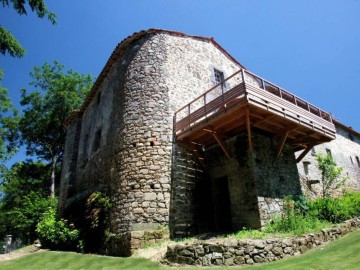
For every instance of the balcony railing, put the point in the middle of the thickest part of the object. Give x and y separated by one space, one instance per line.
226 93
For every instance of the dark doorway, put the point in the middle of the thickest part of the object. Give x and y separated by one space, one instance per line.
221 202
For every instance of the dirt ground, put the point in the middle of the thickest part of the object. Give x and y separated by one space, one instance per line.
19 253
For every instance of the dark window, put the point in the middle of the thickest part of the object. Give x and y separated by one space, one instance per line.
328 151
313 151
218 75
306 167
358 161
97 140
352 162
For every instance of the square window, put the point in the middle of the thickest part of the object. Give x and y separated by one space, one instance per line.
218 75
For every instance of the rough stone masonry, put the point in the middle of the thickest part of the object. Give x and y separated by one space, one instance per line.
121 143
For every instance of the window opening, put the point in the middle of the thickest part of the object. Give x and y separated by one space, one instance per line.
98 98
352 162
328 151
219 75
306 167
358 161
97 140
313 151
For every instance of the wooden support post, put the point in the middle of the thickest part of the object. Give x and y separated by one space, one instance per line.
243 75
248 128
282 143
303 154
221 143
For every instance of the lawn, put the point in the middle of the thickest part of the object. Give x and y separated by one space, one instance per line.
341 254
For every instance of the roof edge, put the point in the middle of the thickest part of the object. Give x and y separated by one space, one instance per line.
116 51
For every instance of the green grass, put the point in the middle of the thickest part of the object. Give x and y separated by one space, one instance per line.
341 254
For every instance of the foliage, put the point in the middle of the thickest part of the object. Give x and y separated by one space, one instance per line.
8 43
248 233
330 174
42 123
98 206
25 191
8 123
56 234
28 213
336 210
93 228
340 254
295 219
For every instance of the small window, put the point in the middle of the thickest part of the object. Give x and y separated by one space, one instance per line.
350 136
358 161
218 75
352 162
306 167
328 151
313 151
97 140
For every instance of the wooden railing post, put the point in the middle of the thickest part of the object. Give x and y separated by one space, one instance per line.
242 75
205 106
189 114
174 123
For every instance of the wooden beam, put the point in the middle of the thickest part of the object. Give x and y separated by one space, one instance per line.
219 141
282 143
248 128
303 154
265 119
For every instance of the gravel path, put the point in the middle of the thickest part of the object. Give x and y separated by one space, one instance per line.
19 253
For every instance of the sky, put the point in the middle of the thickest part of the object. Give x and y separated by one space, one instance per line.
310 48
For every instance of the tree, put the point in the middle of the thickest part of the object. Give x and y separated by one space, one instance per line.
42 122
25 198
330 174
8 43
8 127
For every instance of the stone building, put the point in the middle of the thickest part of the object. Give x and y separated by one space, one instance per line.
221 162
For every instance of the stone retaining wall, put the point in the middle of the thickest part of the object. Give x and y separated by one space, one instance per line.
236 252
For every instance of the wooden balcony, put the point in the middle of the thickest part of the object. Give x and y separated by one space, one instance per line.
244 102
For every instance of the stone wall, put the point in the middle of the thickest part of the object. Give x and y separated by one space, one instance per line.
257 179
125 144
231 251
345 150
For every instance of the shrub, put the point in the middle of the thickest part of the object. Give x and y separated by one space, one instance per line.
330 174
336 209
294 218
56 234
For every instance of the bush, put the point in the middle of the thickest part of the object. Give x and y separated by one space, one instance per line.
56 234
295 219
336 210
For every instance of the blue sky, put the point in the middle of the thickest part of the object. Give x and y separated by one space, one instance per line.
310 48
